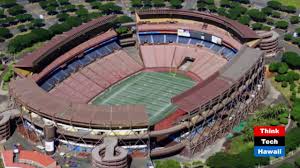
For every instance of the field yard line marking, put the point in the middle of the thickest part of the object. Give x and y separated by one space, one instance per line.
122 88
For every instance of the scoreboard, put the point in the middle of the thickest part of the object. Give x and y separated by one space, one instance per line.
269 141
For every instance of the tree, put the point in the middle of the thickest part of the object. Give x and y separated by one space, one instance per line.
267 10
286 165
24 17
176 4
297 162
123 19
257 26
284 84
275 14
274 66
7 76
236 12
82 12
244 19
158 3
97 5
22 28
274 122
288 37
245 159
257 15
288 9
280 78
5 33
295 113
293 76
136 3
110 7
147 3
274 5
7 3
294 19
225 3
2 15
62 16
292 59
222 11
283 68
292 139
16 10
201 6
282 24
21 42
270 21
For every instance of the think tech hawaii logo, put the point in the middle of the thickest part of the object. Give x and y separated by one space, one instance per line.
269 141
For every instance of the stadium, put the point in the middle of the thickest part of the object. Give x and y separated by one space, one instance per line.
191 77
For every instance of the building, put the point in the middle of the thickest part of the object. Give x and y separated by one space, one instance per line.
59 82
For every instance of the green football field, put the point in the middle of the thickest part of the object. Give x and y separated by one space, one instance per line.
152 89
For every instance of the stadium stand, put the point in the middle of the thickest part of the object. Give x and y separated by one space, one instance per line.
57 76
204 65
228 53
91 80
60 44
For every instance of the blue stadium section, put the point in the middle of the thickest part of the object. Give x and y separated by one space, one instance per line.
89 56
183 40
145 39
158 38
207 44
171 38
216 48
196 41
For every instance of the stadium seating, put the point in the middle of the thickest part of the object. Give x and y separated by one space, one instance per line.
94 78
205 63
89 56
228 53
171 38
183 40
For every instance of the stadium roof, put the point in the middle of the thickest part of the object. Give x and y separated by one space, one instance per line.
75 52
48 106
31 59
241 63
243 31
219 82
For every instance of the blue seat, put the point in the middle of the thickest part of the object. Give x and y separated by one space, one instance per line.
46 86
216 48
158 38
113 46
86 60
171 38
68 70
102 51
195 41
52 80
60 75
207 44
183 40
145 39
74 66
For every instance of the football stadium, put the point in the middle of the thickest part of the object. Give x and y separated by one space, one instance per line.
188 80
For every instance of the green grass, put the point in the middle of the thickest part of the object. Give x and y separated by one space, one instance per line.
237 145
152 89
295 3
